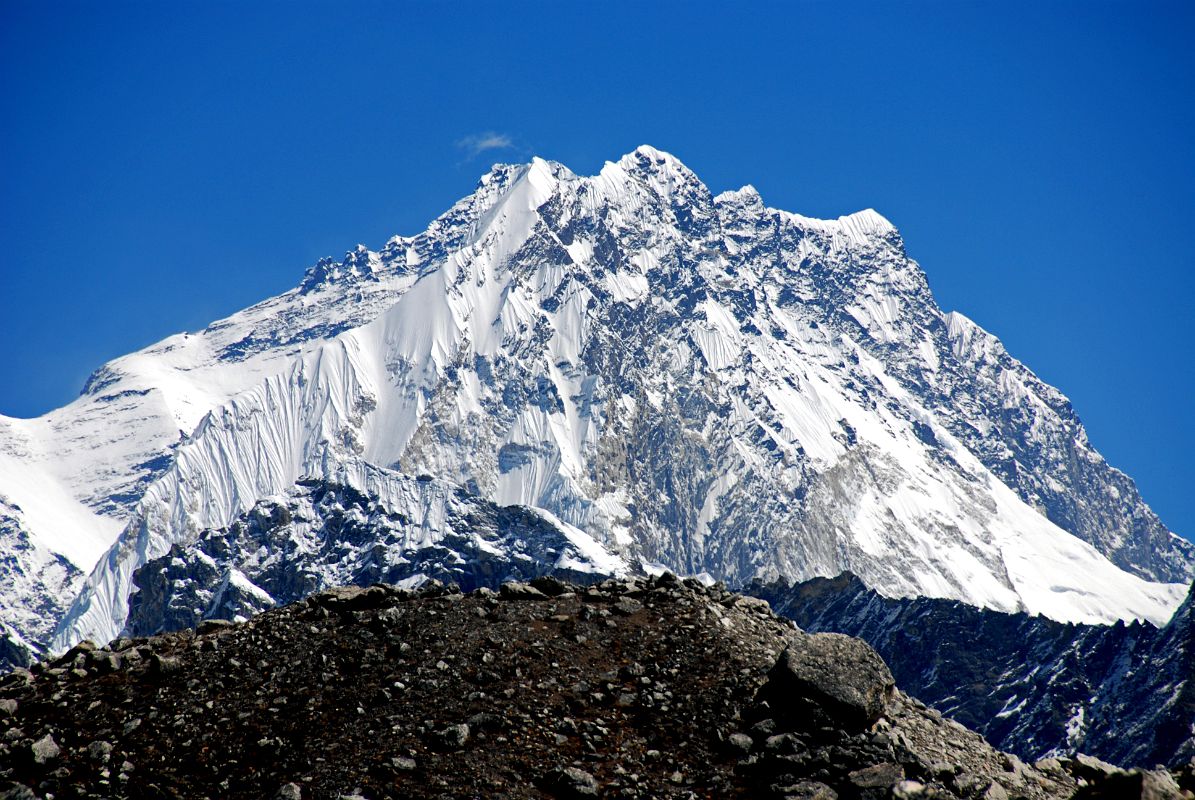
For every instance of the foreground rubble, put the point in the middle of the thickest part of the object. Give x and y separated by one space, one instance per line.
626 689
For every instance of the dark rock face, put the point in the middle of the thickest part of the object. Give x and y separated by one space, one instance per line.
381 692
325 534
1123 693
46 583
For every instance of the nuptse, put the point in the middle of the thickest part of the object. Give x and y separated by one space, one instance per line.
671 379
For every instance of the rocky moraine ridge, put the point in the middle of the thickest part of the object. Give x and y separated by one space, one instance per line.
640 688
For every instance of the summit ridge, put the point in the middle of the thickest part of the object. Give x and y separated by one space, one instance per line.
694 383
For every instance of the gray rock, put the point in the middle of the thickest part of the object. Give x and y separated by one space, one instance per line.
1132 785
163 665
783 743
627 606
1090 767
485 721
764 728
740 742
8 706
215 626
878 776
1051 766
632 671
104 661
571 783
829 678
83 647
550 586
453 737
995 792
99 750
289 791
45 749
513 590
808 790
909 790
17 678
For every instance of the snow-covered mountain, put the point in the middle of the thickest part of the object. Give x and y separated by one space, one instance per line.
695 382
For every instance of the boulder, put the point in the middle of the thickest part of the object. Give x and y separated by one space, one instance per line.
572 783
453 737
1132 785
808 790
45 750
513 590
289 791
209 626
828 679
552 587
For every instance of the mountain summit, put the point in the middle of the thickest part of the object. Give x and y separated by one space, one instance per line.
671 380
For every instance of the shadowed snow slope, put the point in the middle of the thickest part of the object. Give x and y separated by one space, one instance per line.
694 382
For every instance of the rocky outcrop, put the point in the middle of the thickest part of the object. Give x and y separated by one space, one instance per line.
35 587
641 688
830 679
324 534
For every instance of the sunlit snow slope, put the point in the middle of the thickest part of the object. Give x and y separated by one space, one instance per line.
695 382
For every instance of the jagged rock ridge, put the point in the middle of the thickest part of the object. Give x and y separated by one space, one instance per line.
324 535
1033 686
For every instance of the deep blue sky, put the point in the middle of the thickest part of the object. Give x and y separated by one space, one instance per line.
165 164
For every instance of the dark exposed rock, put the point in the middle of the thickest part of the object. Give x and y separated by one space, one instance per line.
453 737
324 533
573 783
1133 785
808 790
513 590
828 678
1031 685
289 791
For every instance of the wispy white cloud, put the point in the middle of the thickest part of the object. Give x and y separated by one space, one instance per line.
477 143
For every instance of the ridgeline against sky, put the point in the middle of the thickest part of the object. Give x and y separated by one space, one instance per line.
165 167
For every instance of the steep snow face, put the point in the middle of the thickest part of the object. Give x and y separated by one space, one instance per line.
79 473
697 383
96 457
